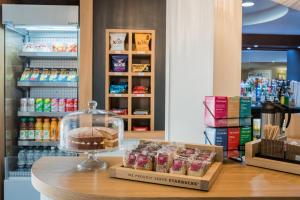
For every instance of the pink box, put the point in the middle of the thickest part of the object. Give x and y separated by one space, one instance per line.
218 111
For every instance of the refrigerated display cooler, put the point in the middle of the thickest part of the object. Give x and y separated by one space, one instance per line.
41 48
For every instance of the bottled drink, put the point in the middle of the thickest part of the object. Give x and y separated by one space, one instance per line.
61 105
46 129
38 129
54 104
29 158
44 152
52 151
75 104
23 104
23 129
30 105
31 125
53 129
21 159
58 129
36 153
69 105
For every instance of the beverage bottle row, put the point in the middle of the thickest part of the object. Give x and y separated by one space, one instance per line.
48 105
28 155
39 129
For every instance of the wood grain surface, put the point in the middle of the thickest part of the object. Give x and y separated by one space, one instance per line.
57 178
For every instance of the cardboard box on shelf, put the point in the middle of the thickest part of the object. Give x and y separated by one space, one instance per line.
233 138
216 136
233 111
217 113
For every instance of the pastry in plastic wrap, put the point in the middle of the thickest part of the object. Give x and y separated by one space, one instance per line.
179 165
163 161
144 162
197 167
129 159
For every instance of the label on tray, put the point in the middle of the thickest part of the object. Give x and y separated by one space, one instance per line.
140 95
117 95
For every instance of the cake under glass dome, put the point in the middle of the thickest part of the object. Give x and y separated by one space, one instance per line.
91 131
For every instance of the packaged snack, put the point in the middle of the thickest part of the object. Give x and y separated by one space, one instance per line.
118 89
140 90
186 152
142 41
45 75
119 63
28 47
141 112
62 77
71 47
117 41
140 128
197 167
35 75
123 111
179 165
53 75
72 75
141 67
58 47
129 159
144 162
163 161
41 47
26 75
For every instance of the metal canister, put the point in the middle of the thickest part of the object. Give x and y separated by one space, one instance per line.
54 104
75 104
23 105
69 105
61 105
39 105
47 105
30 104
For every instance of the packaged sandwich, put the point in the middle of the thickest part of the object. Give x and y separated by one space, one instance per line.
35 75
62 77
45 75
53 75
142 41
72 75
117 41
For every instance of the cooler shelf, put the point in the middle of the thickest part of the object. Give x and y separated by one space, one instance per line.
49 55
41 114
47 84
38 143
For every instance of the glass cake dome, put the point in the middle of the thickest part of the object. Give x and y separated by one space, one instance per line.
91 131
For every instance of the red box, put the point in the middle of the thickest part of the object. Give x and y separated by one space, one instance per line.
233 138
217 106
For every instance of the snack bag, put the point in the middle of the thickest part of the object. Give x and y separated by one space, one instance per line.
144 162
197 167
129 159
35 75
119 63
117 41
179 165
140 90
45 75
163 161
53 75
142 41
140 67
62 77
26 75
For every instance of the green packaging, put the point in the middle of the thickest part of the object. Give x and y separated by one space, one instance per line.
245 107
245 135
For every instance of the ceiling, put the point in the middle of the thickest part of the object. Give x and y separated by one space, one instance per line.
268 17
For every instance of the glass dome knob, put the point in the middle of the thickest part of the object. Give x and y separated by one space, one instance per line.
92 105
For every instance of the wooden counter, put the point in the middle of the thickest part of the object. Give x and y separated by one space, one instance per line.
57 178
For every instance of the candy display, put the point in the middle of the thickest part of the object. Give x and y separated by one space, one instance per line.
49 75
166 158
140 90
117 41
142 41
141 67
119 63
45 47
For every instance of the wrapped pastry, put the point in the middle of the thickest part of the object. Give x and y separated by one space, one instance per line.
163 161
144 162
129 159
197 167
179 165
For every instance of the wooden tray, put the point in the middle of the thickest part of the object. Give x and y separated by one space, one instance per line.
199 183
252 148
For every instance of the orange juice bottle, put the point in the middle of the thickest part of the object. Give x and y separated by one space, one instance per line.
58 129
46 129
38 133
53 129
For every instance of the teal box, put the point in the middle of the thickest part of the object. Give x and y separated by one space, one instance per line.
245 121
245 107
245 135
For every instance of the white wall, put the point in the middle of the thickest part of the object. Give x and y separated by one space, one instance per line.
189 60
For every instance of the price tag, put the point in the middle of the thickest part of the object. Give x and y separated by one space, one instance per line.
118 73
141 74
117 51
141 52
140 95
117 95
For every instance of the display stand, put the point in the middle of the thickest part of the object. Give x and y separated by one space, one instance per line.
128 100
241 148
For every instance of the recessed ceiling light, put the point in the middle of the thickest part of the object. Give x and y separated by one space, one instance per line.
298 47
255 46
248 48
247 4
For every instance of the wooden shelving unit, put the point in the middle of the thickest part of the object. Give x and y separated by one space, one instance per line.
132 101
